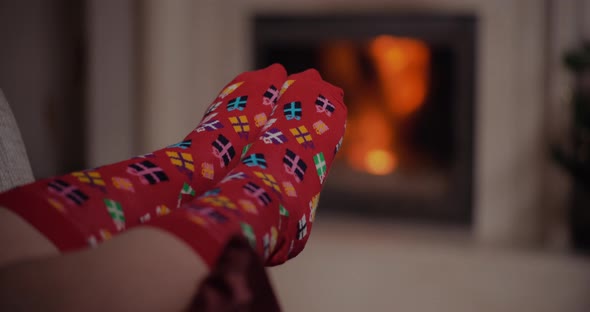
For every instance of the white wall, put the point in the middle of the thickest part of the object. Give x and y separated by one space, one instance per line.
168 108
111 110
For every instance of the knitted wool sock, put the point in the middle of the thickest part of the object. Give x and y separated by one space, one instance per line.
272 195
92 205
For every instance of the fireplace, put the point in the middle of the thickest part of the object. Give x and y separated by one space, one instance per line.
409 84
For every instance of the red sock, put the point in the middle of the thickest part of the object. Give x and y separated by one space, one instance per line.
92 205
272 195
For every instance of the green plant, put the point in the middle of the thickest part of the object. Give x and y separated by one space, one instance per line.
575 157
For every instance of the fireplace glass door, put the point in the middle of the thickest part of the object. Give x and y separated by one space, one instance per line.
409 84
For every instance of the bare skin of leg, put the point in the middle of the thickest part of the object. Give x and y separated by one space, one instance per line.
142 270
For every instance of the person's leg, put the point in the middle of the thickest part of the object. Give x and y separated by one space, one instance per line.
19 240
148 262
120 275
143 270
90 206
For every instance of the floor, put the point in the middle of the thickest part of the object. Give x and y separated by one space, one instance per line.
353 265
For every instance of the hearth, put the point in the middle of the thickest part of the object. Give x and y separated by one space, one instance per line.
409 83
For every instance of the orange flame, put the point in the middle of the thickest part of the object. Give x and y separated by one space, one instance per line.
402 66
370 137
380 162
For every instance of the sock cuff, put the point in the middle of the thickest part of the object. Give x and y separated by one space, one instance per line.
202 238
37 211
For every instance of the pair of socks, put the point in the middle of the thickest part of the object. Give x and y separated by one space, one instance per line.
253 167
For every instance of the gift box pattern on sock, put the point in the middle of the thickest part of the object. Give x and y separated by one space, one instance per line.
272 195
90 206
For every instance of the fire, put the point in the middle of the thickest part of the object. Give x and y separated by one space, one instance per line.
378 105
380 162
344 63
371 136
402 65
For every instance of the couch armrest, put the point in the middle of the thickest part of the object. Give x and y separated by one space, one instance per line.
14 164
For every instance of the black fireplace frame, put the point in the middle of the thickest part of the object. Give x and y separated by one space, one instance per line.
457 31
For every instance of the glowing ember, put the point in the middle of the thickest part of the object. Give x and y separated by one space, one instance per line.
380 162
367 131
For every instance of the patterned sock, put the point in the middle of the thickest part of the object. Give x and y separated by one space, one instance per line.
272 195
92 205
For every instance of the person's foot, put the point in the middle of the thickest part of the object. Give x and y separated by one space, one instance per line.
271 196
